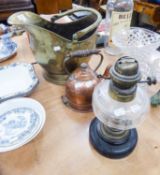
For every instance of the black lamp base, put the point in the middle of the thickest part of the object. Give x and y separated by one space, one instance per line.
110 150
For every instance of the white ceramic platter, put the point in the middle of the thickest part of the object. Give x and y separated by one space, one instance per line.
21 119
7 50
16 80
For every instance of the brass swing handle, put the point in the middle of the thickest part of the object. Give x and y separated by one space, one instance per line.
79 34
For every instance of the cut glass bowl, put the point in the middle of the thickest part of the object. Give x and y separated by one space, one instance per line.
140 44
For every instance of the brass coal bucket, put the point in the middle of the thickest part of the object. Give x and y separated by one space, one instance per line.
52 41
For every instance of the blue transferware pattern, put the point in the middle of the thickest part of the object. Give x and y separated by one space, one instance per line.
7 48
17 126
29 87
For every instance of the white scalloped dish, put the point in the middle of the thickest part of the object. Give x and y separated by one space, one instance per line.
17 80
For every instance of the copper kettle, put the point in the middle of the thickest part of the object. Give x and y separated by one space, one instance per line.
80 85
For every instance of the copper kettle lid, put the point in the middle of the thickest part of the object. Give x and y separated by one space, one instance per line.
83 73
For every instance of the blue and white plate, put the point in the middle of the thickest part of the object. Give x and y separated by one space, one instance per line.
21 119
7 50
17 80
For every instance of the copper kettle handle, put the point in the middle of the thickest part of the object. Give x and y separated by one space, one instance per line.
81 54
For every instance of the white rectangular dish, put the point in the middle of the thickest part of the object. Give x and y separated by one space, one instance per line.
17 80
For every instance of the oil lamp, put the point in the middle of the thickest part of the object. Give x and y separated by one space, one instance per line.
119 105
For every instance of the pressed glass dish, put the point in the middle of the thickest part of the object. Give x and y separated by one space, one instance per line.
140 44
136 38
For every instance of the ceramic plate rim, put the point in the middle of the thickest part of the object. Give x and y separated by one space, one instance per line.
13 52
36 132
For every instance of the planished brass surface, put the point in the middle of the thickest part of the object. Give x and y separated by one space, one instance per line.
51 42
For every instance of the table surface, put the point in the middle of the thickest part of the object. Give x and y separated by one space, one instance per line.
63 148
